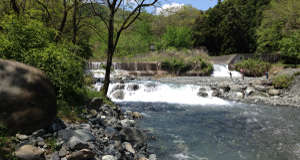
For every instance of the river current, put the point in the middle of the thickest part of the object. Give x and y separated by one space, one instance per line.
184 126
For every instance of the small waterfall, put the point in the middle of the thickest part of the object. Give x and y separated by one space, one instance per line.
221 70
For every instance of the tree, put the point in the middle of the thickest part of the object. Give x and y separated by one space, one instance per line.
131 11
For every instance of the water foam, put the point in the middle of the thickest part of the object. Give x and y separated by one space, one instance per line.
166 93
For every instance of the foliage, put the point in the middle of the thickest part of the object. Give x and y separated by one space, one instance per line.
70 113
230 26
179 66
6 144
282 81
290 47
178 37
253 67
28 41
280 31
176 66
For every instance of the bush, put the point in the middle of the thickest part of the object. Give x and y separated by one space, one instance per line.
282 81
176 66
253 67
179 66
28 41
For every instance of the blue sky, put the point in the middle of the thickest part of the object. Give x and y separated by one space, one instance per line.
200 4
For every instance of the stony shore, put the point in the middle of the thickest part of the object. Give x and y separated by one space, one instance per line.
250 90
106 134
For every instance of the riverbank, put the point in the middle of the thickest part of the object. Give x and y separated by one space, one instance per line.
250 90
106 133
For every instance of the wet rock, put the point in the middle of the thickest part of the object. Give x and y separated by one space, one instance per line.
274 92
236 88
63 152
109 157
137 115
202 94
84 154
216 93
21 137
224 86
239 95
127 123
53 156
76 139
29 152
133 87
152 157
27 98
249 91
119 94
128 147
133 136
118 87
261 88
57 125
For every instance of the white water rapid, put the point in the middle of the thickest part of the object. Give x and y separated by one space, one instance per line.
221 70
149 91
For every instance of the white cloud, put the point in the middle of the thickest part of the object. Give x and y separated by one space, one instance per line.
168 9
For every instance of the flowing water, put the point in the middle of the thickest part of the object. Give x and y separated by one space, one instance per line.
189 127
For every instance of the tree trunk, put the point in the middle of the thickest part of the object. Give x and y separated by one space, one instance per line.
15 6
110 53
63 22
75 27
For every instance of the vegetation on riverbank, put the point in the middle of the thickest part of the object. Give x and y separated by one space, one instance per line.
282 81
253 67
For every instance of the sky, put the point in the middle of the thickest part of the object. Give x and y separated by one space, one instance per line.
200 4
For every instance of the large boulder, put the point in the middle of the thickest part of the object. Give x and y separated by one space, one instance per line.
27 98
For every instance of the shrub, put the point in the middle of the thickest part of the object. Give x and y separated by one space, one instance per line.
282 81
253 67
178 65
28 41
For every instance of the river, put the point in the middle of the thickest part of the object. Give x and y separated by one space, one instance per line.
189 127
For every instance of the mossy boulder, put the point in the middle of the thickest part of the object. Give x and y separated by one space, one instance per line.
27 98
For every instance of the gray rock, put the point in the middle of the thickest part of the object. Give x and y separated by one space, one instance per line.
118 94
261 88
27 98
76 139
53 156
22 137
29 152
83 154
133 87
239 95
274 92
109 157
63 152
202 94
127 123
152 157
215 93
128 147
249 91
133 136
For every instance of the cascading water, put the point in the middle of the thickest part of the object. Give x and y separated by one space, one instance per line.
190 127
221 70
